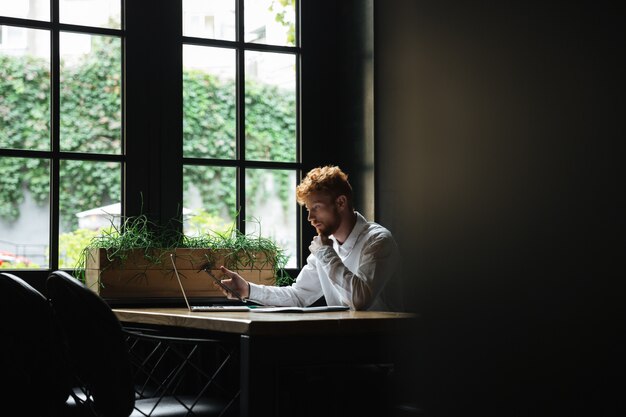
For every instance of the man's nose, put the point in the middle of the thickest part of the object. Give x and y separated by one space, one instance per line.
308 216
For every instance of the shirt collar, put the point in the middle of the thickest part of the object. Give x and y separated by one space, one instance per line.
360 224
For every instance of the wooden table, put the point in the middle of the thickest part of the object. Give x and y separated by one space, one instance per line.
270 343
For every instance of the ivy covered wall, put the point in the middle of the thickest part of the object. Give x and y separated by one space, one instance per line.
91 122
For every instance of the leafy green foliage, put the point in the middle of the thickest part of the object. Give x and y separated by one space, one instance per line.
24 124
91 122
91 116
209 116
202 222
270 123
280 7
24 103
73 244
18 265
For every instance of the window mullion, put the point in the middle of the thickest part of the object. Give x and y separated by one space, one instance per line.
241 115
153 86
299 250
55 163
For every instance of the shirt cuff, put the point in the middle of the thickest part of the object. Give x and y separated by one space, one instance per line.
253 288
325 254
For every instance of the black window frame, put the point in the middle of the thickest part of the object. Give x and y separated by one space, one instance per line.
240 162
151 157
55 155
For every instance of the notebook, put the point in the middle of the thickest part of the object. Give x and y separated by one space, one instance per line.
207 307
316 309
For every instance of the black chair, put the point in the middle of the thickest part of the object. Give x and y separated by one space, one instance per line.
98 357
34 377
102 362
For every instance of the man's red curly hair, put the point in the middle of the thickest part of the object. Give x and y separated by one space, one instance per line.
329 179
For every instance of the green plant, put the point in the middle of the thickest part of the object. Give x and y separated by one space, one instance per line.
202 222
280 8
17 265
73 244
138 233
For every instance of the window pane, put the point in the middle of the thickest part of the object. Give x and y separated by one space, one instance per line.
209 110
209 199
96 13
214 19
24 88
270 106
89 197
91 102
271 207
24 212
26 9
270 22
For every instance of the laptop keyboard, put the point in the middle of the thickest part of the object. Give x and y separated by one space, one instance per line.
219 308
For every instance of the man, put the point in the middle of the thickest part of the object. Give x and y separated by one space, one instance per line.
353 262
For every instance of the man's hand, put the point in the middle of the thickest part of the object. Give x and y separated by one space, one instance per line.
318 241
236 282
324 239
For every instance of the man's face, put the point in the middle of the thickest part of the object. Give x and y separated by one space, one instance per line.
323 213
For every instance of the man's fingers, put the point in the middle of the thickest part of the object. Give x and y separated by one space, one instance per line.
227 271
225 282
221 289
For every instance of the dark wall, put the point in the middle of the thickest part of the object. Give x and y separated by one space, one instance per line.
500 158
337 94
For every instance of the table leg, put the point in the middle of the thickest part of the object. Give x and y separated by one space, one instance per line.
257 378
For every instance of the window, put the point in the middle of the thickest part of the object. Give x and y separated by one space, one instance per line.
240 118
101 113
61 140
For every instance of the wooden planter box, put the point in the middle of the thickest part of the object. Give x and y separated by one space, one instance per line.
152 275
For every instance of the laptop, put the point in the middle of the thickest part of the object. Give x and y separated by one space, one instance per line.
207 307
251 307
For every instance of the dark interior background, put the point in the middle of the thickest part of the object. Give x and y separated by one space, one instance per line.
496 157
499 139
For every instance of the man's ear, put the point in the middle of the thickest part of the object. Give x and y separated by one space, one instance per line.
341 201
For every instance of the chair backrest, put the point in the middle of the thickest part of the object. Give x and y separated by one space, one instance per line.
98 352
31 357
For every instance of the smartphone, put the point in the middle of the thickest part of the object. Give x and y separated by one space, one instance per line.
224 287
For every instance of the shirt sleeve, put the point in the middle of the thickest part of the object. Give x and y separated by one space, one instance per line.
377 265
302 293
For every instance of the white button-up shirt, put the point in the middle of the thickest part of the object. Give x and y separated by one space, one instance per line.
362 273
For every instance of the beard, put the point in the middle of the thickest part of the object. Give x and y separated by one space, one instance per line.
329 226
325 230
